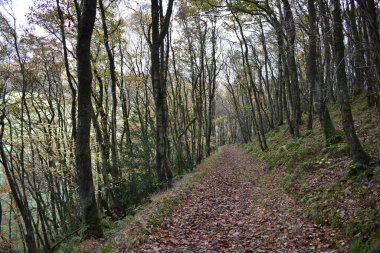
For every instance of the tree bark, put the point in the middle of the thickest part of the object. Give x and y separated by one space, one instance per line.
328 85
358 52
357 152
312 73
22 205
368 11
159 87
89 208
292 69
111 60
67 70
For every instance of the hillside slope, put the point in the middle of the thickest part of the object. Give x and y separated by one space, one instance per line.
324 178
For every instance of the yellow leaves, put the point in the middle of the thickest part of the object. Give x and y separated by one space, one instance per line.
239 5
190 8
14 109
208 4
4 188
136 80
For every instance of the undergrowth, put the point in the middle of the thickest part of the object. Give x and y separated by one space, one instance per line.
146 218
319 175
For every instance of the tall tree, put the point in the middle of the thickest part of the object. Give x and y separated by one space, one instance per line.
112 69
369 12
312 74
67 69
90 214
294 90
357 151
159 30
115 170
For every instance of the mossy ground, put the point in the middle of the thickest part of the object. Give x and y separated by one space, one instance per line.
319 175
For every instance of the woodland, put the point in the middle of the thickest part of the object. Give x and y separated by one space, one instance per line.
190 126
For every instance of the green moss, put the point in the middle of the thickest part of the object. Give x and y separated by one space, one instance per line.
308 164
91 222
339 149
364 106
336 137
356 245
313 212
273 161
69 245
369 121
306 159
293 143
158 214
107 247
335 220
358 192
376 174
359 244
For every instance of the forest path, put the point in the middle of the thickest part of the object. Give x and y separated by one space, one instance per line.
238 207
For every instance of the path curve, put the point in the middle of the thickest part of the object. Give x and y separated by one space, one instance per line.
239 208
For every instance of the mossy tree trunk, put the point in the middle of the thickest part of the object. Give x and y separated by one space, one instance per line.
89 208
159 30
357 152
294 89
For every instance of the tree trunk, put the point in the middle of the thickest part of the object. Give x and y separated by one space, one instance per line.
115 170
16 193
160 93
328 86
312 73
358 154
292 69
358 52
89 208
368 11
67 71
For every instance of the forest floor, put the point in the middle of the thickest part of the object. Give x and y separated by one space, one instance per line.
297 196
229 204
239 207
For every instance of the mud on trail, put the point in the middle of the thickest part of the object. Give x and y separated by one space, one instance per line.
239 207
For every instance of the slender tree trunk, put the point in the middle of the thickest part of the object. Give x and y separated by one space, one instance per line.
89 208
115 170
312 73
369 13
358 52
67 71
211 90
111 61
292 69
160 93
18 188
252 90
328 87
16 194
268 91
358 154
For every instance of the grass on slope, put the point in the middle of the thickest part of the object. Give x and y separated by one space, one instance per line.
125 234
320 177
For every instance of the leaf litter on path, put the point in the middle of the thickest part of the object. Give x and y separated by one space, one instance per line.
239 207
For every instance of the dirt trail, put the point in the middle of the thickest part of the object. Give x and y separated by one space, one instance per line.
239 208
